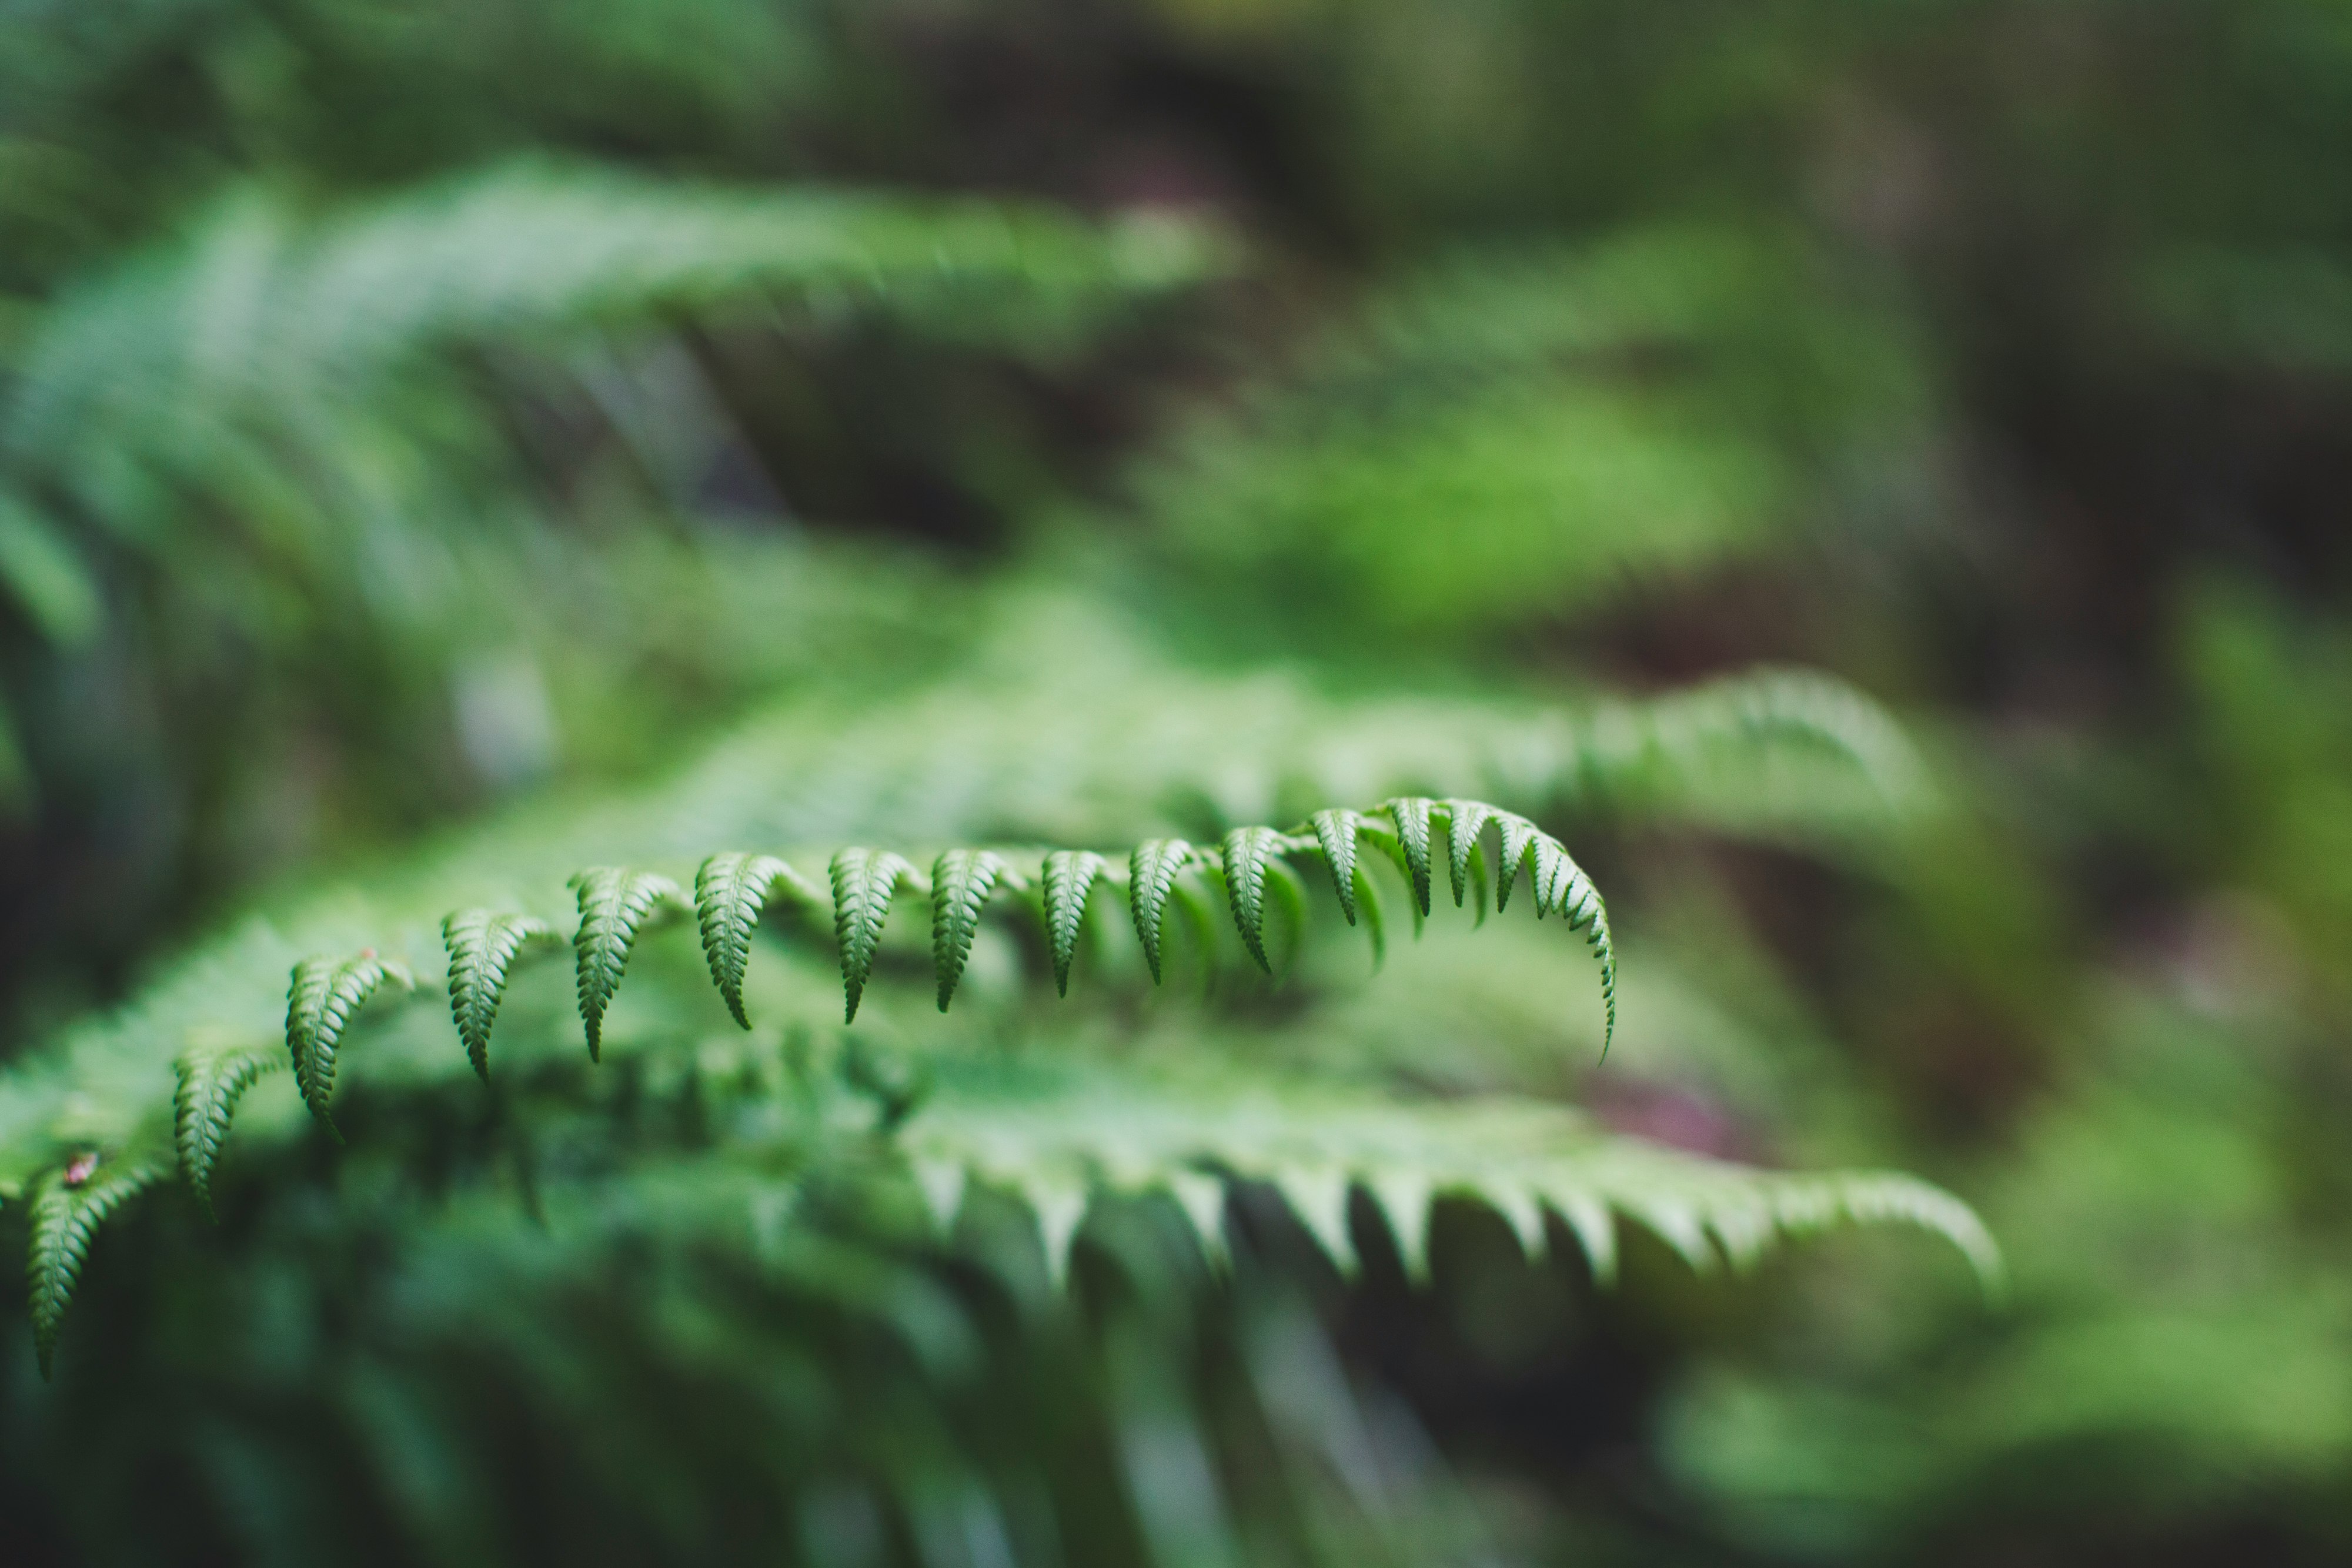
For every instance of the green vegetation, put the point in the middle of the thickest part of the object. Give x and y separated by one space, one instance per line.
989 606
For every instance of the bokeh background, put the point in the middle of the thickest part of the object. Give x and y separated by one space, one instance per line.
412 415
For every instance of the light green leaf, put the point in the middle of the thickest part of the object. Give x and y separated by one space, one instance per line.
69 1206
211 1083
1152 869
482 946
864 882
1518 836
1336 831
613 904
1246 852
1068 877
1403 1194
1464 821
1368 899
1561 885
731 891
320 999
1412 814
961 881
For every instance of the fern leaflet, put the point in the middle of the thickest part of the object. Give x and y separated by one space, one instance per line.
864 882
1153 869
1068 876
319 1001
731 891
1336 831
482 947
1517 834
69 1206
961 881
1561 885
614 903
1246 852
211 1083
1465 820
1411 813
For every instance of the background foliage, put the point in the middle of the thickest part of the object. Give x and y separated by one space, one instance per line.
444 447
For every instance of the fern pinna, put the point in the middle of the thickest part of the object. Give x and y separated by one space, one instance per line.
733 890
1162 1138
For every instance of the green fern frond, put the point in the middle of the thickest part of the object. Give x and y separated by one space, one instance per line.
613 904
961 881
319 1001
1068 876
68 1206
211 1083
1044 1134
731 891
1252 865
1152 869
1559 884
864 882
532 246
806 771
482 946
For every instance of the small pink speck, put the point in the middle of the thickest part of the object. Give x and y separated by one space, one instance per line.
78 1171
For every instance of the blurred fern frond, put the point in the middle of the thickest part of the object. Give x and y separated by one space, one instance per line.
1053 1136
259 375
1028 745
297 453
1508 435
964 760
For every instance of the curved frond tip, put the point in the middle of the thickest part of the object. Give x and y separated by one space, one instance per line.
864 882
961 881
70 1205
1255 866
613 904
730 892
211 1083
320 999
482 947
1067 877
1153 869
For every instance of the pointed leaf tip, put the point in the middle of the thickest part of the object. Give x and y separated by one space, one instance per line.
482 946
1153 869
66 1217
203 1102
1246 852
1465 820
1412 815
320 998
613 904
961 881
730 892
1517 835
1068 877
864 882
1336 831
